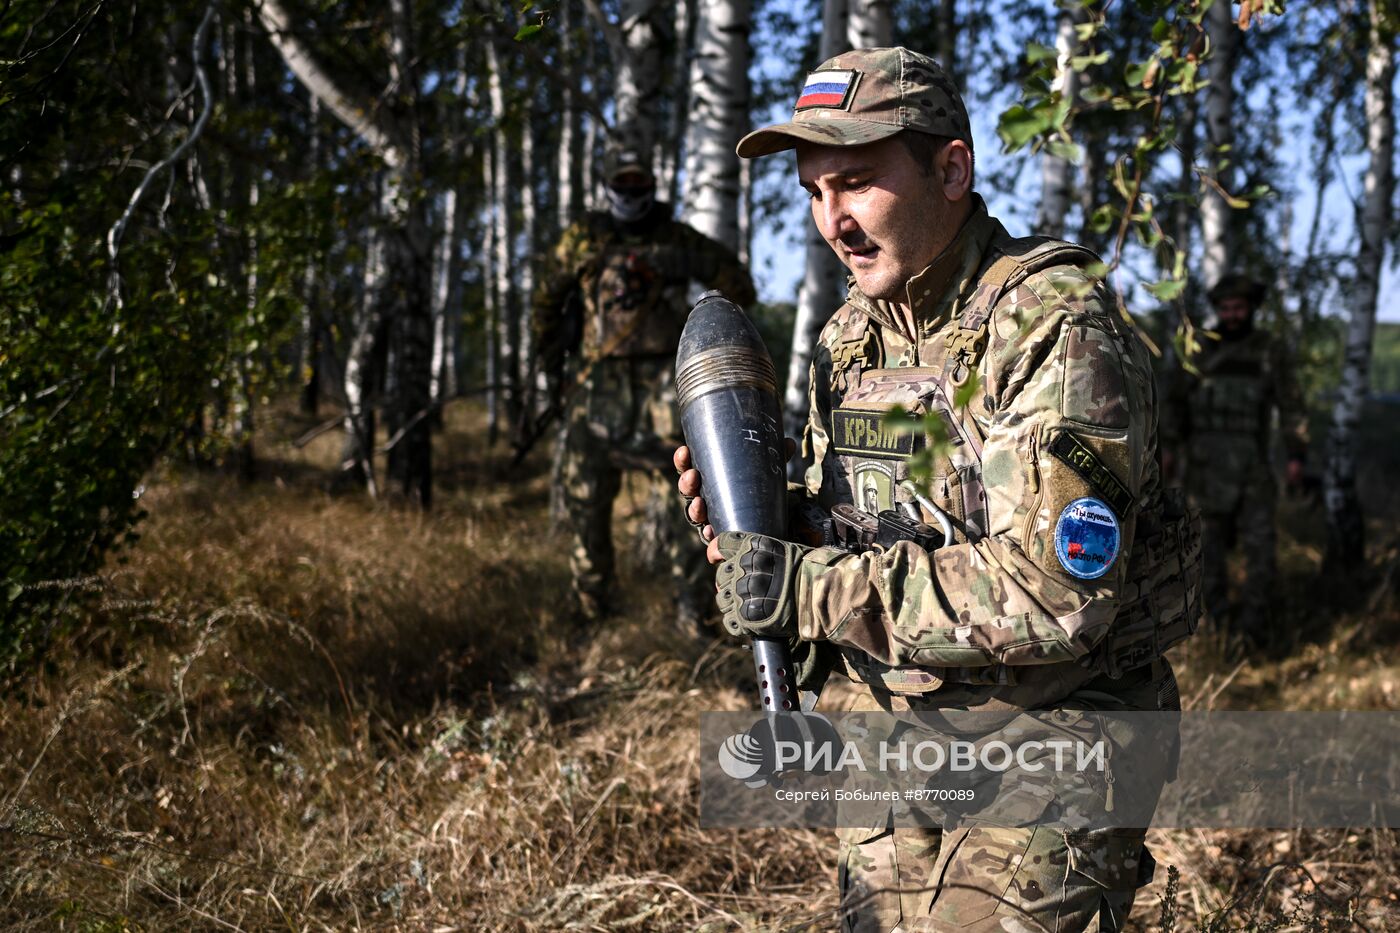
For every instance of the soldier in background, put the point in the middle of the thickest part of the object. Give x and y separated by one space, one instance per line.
1218 430
614 301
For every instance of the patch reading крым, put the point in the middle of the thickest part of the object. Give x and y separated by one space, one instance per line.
866 434
1100 478
1087 538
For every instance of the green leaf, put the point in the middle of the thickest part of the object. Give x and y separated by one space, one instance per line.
1102 219
1161 30
1037 53
525 32
1081 62
1096 93
1070 152
902 421
1018 126
1167 289
1136 72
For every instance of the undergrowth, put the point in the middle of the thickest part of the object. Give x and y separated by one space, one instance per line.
290 707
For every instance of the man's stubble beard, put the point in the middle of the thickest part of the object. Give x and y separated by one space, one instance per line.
936 214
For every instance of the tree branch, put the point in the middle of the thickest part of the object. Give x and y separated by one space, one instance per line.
371 125
114 236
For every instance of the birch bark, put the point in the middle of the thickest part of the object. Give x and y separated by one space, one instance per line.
503 241
1057 172
568 183
859 24
720 105
1346 544
635 44
403 294
1220 104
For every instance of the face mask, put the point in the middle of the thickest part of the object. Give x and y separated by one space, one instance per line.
629 205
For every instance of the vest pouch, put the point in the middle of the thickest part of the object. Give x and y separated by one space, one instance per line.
636 314
875 457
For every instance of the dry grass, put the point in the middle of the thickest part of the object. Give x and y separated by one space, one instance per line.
296 709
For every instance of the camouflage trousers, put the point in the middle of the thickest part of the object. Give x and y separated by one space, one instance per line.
991 878
605 436
1250 525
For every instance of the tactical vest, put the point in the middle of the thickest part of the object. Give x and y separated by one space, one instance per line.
1160 603
1232 395
633 307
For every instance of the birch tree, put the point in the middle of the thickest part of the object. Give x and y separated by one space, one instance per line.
720 105
635 44
869 24
388 125
1345 525
857 24
507 305
1216 254
1056 170
447 276
569 158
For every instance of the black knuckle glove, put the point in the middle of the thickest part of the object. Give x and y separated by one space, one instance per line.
757 585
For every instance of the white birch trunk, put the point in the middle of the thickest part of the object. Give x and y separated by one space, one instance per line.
635 44
503 241
357 457
567 184
372 124
1346 527
590 196
448 257
442 290
869 25
720 108
671 149
403 295
1057 172
1220 104
822 288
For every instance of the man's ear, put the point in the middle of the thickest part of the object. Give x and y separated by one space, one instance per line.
954 163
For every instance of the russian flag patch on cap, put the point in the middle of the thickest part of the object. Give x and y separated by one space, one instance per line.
827 89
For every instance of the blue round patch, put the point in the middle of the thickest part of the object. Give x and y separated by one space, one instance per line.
1087 538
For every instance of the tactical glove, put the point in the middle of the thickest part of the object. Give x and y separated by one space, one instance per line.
757 584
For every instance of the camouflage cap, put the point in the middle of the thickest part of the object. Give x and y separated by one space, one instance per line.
1238 285
866 95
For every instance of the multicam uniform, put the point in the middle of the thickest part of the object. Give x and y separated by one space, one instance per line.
632 281
1070 572
1222 422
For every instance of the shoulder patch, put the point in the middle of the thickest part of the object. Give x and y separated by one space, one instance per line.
1087 538
1079 458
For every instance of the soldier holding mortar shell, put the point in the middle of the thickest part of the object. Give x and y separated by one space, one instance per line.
1069 569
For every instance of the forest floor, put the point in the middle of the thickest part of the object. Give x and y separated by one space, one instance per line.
295 708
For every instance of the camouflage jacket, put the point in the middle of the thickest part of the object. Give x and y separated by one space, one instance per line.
1049 474
631 282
